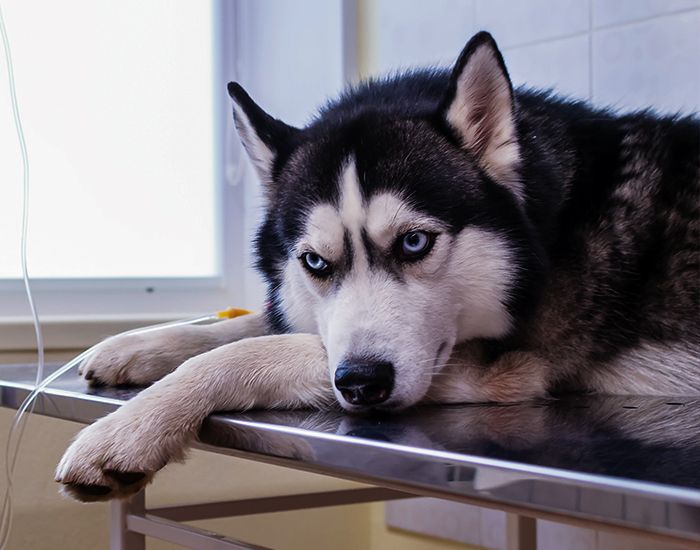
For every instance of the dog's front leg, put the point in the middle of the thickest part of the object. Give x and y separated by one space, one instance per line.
141 359
514 376
119 454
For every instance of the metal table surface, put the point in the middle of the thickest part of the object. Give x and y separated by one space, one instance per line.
626 462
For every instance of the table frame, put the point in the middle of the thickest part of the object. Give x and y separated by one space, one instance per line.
131 522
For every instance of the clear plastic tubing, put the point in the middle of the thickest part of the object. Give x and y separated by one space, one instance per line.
6 517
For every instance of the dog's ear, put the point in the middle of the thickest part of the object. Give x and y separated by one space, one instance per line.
263 136
479 109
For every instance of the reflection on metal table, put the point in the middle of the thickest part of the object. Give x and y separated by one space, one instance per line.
623 463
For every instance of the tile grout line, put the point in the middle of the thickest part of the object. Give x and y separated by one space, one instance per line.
646 19
541 41
592 28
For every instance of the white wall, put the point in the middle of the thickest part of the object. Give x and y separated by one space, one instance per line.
625 53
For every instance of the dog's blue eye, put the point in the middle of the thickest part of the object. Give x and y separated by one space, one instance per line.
315 263
416 244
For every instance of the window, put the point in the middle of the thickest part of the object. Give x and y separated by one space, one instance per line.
123 106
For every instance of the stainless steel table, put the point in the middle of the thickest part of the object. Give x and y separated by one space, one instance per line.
622 463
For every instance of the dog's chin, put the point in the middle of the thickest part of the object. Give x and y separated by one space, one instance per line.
392 405
384 408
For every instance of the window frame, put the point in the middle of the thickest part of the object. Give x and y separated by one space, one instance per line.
165 297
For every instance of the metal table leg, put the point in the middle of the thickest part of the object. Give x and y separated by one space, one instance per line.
521 532
120 537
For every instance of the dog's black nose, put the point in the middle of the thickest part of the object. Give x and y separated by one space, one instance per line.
364 382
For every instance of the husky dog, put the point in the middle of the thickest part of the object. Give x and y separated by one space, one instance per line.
433 237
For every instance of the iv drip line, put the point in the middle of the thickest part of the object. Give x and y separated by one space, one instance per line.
6 517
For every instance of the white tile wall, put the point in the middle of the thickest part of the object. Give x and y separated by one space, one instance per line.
493 528
652 63
516 23
614 12
438 518
615 541
486 528
549 65
629 54
421 33
555 536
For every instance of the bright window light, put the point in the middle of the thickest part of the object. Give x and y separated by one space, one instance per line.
117 101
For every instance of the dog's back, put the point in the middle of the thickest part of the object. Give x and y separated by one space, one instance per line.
621 310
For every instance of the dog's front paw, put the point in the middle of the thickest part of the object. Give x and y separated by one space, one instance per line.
115 458
140 359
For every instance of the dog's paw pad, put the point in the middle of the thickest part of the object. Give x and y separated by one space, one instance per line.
89 490
125 478
95 382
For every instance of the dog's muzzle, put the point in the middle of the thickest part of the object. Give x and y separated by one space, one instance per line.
364 382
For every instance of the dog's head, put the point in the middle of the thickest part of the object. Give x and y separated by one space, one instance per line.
395 223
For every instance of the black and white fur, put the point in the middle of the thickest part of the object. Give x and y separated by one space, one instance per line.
562 249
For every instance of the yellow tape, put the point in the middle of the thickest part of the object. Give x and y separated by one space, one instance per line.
232 312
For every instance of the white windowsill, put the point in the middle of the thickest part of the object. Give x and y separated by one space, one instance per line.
71 333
